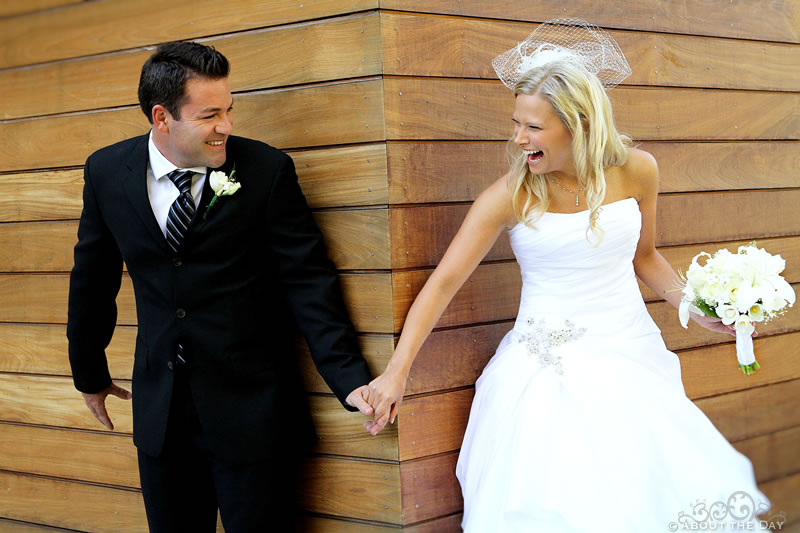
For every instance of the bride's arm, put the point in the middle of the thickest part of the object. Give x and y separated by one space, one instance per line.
650 265
487 217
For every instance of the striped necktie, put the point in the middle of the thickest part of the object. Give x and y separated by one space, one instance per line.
182 210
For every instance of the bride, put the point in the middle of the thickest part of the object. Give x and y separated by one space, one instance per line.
580 422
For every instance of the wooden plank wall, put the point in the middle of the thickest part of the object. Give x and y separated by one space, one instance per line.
396 123
306 78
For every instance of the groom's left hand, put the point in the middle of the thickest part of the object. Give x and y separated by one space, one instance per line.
356 399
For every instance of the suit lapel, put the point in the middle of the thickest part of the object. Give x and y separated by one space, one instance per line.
135 184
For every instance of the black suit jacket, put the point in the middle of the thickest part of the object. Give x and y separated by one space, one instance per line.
244 276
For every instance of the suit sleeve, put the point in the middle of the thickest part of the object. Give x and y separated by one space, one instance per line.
93 287
312 286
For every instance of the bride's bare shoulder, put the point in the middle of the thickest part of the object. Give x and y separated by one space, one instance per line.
640 173
496 199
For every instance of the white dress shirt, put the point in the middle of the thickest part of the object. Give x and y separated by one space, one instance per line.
160 189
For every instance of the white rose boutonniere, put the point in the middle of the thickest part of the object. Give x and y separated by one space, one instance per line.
222 185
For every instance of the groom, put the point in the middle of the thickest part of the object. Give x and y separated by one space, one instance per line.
218 412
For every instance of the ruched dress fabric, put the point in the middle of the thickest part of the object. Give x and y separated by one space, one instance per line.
580 422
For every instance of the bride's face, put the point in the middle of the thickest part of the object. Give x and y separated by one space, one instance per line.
539 132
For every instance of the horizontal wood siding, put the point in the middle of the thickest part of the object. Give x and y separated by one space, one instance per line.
396 123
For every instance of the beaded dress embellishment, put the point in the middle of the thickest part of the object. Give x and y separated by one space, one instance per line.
540 340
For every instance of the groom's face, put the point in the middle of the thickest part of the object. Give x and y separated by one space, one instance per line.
200 136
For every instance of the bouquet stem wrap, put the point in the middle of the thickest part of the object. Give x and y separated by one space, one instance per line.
744 352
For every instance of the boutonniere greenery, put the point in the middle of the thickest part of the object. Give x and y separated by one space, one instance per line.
222 185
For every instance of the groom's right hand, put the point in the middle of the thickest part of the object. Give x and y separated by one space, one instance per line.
97 403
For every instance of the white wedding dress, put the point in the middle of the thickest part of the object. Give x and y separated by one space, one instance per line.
580 422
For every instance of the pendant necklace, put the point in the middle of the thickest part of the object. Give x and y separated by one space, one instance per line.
580 189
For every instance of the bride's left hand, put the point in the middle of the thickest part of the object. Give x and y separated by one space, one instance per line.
715 324
385 394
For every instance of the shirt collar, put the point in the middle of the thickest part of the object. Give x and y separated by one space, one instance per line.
161 166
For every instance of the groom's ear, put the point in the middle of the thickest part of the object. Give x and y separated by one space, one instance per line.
161 118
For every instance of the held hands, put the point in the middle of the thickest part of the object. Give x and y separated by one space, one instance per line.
97 403
356 399
385 394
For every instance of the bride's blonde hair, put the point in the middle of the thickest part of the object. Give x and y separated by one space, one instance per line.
582 104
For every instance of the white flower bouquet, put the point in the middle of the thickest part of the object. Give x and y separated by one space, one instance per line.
741 289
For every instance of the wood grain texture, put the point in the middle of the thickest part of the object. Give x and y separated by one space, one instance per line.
42 349
465 48
360 239
80 455
92 28
422 172
12 526
446 524
53 401
757 411
713 370
369 298
344 176
49 195
774 455
377 349
329 177
430 488
433 424
719 166
343 113
491 293
768 214
21 7
420 235
783 493
768 21
319 524
348 488
341 432
76 506
454 358
42 299
357 239
294 56
38 246
424 109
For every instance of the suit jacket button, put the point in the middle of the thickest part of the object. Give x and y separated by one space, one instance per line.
180 313
177 261
169 365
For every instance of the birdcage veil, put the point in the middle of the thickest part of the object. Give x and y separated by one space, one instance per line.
567 39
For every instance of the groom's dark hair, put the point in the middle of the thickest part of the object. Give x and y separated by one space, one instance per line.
165 73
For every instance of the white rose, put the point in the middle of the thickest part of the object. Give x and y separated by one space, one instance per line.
217 180
756 313
229 188
744 325
728 313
